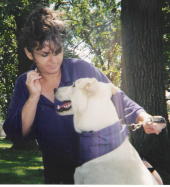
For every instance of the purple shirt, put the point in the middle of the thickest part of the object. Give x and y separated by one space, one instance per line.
55 134
97 143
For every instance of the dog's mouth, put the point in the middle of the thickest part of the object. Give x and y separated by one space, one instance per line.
65 106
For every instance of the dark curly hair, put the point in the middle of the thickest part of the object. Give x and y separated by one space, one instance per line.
43 24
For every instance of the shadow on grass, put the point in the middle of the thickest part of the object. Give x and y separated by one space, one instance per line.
19 167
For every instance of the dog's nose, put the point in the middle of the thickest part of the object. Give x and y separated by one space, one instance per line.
55 90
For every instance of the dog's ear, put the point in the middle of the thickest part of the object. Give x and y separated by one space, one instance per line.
91 85
114 89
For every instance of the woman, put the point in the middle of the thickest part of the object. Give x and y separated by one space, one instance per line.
32 112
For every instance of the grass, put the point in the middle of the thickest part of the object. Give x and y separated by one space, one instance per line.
19 167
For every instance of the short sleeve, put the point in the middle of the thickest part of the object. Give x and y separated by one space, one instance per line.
127 109
13 125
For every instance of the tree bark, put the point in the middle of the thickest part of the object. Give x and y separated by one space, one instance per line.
143 75
142 61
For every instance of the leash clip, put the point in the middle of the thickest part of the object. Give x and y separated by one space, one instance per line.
153 119
135 126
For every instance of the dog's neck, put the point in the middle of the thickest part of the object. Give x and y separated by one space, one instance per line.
97 144
98 115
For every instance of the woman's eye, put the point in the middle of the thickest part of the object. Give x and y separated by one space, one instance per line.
44 55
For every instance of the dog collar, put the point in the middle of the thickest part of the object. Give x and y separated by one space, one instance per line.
94 144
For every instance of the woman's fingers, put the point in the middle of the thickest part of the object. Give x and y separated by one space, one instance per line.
33 83
32 76
155 128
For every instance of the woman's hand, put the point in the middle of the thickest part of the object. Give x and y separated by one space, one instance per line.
153 127
30 106
149 125
33 83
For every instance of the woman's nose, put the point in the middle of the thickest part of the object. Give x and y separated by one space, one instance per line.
52 58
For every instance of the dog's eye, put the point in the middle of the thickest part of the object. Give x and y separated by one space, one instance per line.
73 85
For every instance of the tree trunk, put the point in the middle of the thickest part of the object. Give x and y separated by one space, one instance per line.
143 75
143 66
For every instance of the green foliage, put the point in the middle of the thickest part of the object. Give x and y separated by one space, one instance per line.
8 57
95 25
19 167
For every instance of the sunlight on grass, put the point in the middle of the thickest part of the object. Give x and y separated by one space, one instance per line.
19 167
8 162
19 171
34 167
5 144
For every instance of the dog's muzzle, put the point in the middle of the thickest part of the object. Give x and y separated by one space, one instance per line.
64 106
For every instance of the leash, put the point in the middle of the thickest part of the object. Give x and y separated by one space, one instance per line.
153 119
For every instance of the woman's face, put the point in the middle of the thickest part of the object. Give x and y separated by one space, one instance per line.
46 59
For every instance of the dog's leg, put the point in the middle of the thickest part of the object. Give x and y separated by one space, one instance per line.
78 176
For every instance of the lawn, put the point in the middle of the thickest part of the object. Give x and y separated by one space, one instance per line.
19 167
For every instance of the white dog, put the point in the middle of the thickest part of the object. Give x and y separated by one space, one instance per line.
90 103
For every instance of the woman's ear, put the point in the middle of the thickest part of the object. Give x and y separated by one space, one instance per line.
28 54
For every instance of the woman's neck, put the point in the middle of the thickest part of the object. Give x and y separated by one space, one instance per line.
51 77
49 83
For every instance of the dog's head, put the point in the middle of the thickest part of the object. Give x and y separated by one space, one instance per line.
76 97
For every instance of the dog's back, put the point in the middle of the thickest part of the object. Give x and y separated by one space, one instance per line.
121 166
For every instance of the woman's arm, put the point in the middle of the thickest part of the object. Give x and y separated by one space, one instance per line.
28 114
22 106
131 112
30 107
13 124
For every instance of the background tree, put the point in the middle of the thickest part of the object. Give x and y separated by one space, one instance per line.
95 25
142 48
8 56
166 40
143 74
